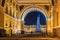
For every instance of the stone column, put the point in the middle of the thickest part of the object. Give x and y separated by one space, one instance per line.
55 14
58 11
48 26
22 27
19 26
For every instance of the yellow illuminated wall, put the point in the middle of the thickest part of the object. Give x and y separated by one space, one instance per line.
12 16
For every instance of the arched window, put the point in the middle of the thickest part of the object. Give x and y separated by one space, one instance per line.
6 9
3 1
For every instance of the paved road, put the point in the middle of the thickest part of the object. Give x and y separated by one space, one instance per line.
29 38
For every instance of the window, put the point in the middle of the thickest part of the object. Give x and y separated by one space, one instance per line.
13 15
10 24
10 2
10 11
6 9
6 23
3 1
21 7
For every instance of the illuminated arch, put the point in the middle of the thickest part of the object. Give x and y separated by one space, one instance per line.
30 10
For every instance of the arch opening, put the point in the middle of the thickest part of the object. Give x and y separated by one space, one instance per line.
34 18
31 18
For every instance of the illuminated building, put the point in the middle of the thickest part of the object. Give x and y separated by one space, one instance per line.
19 14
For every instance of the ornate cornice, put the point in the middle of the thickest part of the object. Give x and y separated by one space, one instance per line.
33 1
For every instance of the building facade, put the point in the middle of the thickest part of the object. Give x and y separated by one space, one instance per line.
15 15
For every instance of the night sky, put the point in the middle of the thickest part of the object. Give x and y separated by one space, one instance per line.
31 18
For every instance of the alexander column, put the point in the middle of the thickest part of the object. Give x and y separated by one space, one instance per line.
38 29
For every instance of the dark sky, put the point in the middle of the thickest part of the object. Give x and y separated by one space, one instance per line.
31 18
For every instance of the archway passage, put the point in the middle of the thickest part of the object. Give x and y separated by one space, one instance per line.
35 18
31 18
